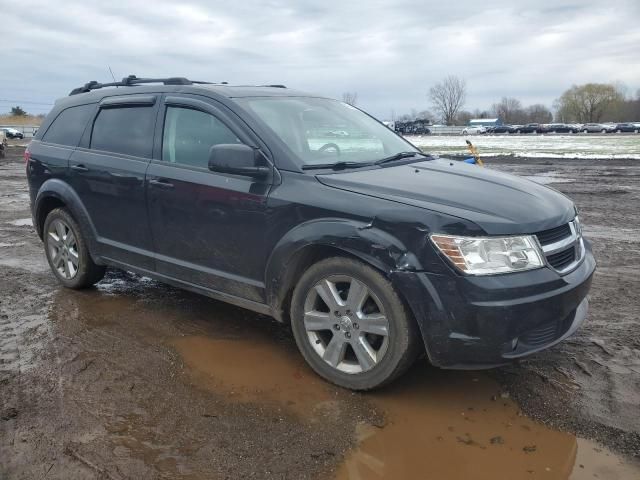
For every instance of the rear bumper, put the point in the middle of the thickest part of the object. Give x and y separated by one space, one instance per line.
480 322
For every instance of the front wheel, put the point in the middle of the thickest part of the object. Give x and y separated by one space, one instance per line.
351 326
67 252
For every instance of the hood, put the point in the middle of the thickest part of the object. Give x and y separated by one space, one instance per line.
497 202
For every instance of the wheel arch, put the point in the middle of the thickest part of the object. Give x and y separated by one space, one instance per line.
55 193
313 241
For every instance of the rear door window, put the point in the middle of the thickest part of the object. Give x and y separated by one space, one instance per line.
127 130
189 134
68 126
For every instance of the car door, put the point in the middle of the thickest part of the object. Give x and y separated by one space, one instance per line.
207 227
107 171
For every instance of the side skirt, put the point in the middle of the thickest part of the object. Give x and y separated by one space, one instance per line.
216 295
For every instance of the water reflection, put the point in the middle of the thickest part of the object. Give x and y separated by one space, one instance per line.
455 425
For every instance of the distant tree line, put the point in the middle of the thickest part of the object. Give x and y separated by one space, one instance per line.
591 102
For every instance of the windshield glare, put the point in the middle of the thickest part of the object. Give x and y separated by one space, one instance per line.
322 131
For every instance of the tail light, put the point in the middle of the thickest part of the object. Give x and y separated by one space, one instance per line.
27 155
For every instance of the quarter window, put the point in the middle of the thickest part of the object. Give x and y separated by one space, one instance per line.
127 130
189 134
68 126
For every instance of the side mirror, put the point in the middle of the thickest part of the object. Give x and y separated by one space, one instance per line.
237 159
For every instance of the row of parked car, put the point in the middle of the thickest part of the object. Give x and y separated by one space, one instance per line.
629 127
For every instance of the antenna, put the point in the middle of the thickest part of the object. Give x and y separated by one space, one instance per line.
111 72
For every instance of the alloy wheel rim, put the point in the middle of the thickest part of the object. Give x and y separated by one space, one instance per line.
63 249
346 324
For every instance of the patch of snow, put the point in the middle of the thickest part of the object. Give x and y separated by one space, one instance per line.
22 222
541 146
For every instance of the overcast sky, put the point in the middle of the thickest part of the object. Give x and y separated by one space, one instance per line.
389 52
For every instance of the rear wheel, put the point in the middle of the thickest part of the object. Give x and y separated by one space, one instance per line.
351 326
67 252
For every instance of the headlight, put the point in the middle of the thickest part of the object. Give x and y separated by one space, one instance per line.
490 255
577 225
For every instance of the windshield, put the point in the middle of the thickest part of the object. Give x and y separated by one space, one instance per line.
322 131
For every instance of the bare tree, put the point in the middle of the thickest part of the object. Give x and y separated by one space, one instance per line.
350 98
448 97
463 117
509 110
538 113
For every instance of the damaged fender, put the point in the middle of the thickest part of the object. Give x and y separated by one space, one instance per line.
363 240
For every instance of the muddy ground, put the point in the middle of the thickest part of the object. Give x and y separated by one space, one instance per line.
135 379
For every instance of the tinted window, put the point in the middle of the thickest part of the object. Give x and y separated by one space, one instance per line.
126 130
67 128
189 134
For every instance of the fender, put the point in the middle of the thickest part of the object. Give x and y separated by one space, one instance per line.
363 240
61 190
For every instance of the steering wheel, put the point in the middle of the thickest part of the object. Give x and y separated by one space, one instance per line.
327 146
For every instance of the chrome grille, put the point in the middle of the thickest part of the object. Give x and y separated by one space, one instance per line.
562 259
563 246
553 234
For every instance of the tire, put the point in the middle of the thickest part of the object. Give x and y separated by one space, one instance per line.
67 253
518 131
636 131
380 309
603 131
585 131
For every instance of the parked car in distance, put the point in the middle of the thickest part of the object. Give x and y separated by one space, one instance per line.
372 251
531 128
475 130
12 133
501 129
594 128
561 128
627 128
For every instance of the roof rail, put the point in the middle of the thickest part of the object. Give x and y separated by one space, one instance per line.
132 80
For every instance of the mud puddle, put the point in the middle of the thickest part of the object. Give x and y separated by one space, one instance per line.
459 425
255 372
440 424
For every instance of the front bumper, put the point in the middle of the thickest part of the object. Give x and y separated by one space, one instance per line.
484 321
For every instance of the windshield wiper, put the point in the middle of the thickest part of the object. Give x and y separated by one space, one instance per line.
399 156
336 165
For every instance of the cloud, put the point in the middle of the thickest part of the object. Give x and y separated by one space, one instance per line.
389 52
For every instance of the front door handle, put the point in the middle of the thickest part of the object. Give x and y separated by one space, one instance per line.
162 183
79 168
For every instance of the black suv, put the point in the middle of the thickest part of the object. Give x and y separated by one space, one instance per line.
374 252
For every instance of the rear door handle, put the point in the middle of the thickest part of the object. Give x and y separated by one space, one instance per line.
162 183
79 168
